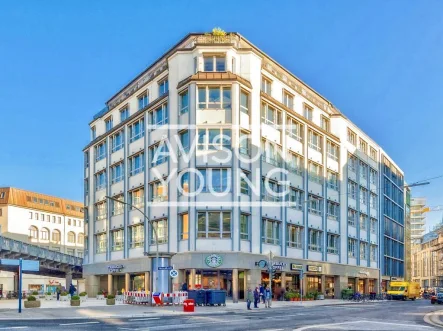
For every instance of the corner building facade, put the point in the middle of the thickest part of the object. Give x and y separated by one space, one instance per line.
206 98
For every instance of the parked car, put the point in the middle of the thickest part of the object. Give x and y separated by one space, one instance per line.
438 297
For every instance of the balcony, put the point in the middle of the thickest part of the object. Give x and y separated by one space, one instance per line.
230 39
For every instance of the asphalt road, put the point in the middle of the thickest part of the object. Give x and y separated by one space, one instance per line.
391 315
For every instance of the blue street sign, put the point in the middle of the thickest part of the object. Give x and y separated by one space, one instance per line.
27 265
165 268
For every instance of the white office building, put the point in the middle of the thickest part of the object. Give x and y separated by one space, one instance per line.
231 157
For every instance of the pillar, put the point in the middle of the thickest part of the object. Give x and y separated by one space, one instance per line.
15 281
283 279
323 284
147 281
340 283
304 285
192 280
68 279
356 281
366 286
127 282
110 285
92 283
253 278
235 285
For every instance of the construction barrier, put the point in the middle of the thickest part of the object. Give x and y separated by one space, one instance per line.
158 299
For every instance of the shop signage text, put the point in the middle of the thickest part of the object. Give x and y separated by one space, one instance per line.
314 268
278 265
165 268
115 268
295 266
214 260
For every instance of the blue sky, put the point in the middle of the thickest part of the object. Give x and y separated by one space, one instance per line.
379 62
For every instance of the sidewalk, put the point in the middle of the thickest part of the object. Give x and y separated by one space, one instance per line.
93 308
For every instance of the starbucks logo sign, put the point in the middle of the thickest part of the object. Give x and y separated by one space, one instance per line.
214 260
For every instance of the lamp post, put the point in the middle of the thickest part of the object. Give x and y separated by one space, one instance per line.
154 283
270 269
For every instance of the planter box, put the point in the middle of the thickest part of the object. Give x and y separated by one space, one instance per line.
100 297
65 298
84 298
49 297
321 297
119 297
75 303
110 302
32 304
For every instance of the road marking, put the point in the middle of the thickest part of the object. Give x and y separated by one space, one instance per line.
79 323
145 319
433 318
14 327
329 325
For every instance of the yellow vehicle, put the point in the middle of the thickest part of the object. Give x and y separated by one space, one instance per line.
404 290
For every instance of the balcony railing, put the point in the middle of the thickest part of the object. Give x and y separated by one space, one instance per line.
211 39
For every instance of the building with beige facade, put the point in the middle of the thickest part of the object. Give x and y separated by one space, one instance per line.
47 221
231 157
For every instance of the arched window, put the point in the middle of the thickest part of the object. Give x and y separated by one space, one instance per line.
71 237
44 234
33 232
56 236
81 239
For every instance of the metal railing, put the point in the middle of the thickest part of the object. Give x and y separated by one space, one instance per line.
7 244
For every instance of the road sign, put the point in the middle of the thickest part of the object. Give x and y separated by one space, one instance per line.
27 265
165 268
173 273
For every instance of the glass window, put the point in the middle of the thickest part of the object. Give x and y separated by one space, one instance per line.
244 185
137 234
137 197
295 163
271 231
184 140
71 237
352 243
363 251
161 227
184 226
137 130
214 63
33 232
117 173
315 240
124 113
271 116
363 146
352 217
214 139
214 225
158 154
332 150
117 240
363 196
93 133
184 183
294 129
117 141
101 242
325 124
214 97
315 172
352 137
333 210
245 143
374 225
159 116
163 87
314 140
100 181
288 100
373 154
352 189
244 226
271 153
136 164
333 243
100 151
315 204
295 198
266 85
158 191
333 180
108 123
295 236
270 190
308 112
244 102
44 234
363 222
143 101
56 236
118 207
183 102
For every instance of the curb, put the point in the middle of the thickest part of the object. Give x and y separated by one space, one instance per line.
433 318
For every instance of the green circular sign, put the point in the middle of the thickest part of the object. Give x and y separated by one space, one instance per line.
214 260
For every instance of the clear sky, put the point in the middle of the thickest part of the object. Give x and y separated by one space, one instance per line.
379 62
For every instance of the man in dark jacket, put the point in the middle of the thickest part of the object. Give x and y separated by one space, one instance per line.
59 291
256 297
262 292
72 290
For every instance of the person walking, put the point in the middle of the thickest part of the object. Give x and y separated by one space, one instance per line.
268 298
256 297
262 292
59 291
249 298
72 289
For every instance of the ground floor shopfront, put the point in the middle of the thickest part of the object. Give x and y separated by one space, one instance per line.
232 272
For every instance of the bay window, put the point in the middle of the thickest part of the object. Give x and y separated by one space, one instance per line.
214 97
214 139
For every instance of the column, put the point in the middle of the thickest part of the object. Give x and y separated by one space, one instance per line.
147 281
340 283
235 285
110 285
366 286
127 281
283 279
304 285
15 281
192 280
92 283
323 284
253 278
68 279
356 283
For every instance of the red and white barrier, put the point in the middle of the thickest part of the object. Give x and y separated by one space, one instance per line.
140 298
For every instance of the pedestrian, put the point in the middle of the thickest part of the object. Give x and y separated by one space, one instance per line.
256 297
282 293
262 292
59 291
268 298
249 298
185 287
72 289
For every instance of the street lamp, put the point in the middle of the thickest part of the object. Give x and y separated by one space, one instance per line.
154 283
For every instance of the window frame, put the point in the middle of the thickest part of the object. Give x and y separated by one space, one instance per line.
275 227
221 233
